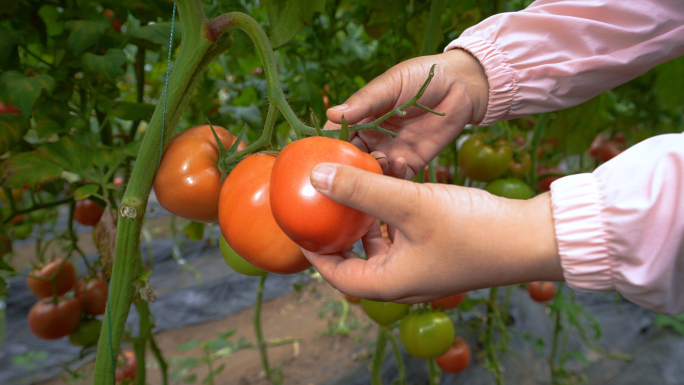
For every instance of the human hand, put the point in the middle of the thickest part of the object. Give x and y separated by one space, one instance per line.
459 89
446 239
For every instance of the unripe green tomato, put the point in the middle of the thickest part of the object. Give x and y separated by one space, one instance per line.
510 188
237 262
87 334
384 313
427 335
482 162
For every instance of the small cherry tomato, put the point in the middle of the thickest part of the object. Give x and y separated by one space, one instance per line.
247 222
87 334
49 320
448 303
457 358
126 366
544 184
384 313
541 291
236 262
188 182
520 165
483 162
87 212
93 295
313 221
64 276
427 335
510 188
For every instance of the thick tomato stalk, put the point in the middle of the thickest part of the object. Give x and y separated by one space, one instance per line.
188 182
312 220
247 223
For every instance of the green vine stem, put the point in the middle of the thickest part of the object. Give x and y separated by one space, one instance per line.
495 365
163 366
379 355
197 50
398 357
261 344
140 342
434 374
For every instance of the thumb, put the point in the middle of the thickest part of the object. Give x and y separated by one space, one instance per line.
386 198
374 99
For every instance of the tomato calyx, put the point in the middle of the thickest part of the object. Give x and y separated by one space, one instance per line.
223 166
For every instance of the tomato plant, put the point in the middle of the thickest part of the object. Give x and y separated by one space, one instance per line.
541 291
61 271
426 335
482 162
49 320
247 223
544 184
510 188
236 262
521 164
126 366
457 358
328 226
87 212
93 295
448 303
384 313
188 182
87 333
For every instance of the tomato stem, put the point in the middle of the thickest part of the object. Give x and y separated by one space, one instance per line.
398 357
379 356
434 374
261 344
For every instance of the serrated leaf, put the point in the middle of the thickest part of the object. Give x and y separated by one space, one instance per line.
159 33
13 127
132 111
45 164
23 91
670 83
108 66
287 18
86 191
188 346
85 33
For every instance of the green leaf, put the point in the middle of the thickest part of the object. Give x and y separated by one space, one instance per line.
4 266
7 43
132 111
50 15
227 334
4 290
159 33
194 230
85 33
188 346
23 91
108 66
576 127
13 127
289 17
86 191
670 83
46 163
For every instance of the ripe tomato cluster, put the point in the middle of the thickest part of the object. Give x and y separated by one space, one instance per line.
66 304
266 207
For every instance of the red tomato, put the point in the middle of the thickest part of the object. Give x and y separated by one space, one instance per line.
188 182
64 275
50 321
313 221
457 358
545 183
93 295
604 149
6 108
116 24
247 223
87 212
126 366
351 299
448 303
541 291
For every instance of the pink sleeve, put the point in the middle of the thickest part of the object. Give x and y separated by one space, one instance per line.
559 53
622 226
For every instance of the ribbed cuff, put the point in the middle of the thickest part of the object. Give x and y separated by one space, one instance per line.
581 233
502 85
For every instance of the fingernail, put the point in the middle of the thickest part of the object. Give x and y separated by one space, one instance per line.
322 176
340 108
